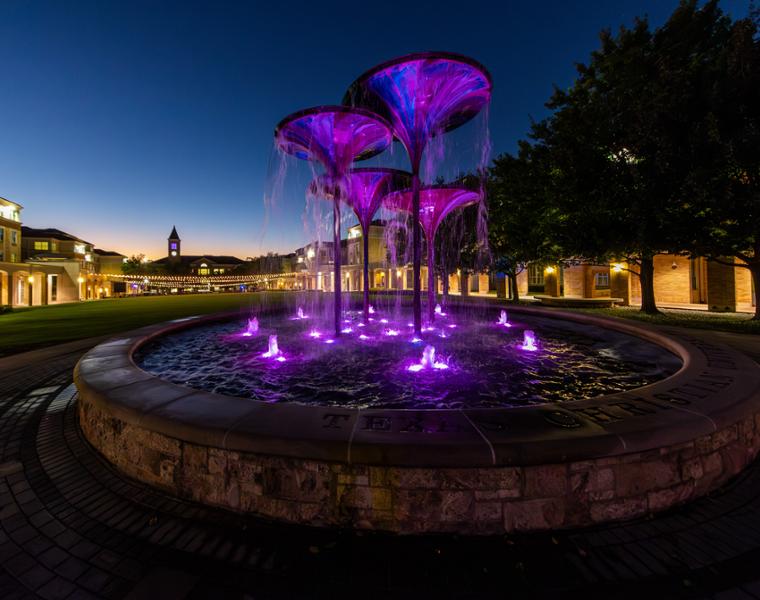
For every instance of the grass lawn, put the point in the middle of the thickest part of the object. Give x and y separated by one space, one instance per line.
697 319
36 327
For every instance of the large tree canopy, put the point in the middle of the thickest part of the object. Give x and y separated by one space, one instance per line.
622 143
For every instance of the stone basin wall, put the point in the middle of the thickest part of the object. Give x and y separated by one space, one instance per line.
483 500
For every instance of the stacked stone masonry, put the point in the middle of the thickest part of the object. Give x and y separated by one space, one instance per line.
416 500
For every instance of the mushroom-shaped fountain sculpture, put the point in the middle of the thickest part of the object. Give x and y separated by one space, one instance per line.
422 95
334 136
363 190
435 203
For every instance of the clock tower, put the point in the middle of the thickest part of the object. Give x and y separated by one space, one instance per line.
174 244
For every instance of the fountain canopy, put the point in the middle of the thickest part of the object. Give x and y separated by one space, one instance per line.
335 136
423 95
436 202
362 189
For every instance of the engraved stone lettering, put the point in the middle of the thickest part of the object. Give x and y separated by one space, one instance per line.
334 421
374 423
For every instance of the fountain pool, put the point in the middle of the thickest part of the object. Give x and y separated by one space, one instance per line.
376 366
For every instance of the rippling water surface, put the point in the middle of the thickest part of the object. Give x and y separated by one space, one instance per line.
487 366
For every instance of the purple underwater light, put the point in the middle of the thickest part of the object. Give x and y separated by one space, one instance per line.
422 95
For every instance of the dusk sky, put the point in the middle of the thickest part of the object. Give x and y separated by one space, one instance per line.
120 120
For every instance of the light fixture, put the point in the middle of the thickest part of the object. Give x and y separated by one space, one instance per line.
549 270
80 279
30 279
674 265
617 267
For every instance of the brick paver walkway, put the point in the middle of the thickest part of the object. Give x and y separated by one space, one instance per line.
71 527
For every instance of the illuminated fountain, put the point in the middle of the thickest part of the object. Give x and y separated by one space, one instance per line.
427 361
435 203
529 341
422 95
495 413
273 350
363 190
252 328
334 136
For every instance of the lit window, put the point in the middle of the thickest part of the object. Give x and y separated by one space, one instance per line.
602 281
535 275
79 249
173 245
41 245
14 237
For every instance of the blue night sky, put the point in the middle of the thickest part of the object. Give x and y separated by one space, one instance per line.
119 120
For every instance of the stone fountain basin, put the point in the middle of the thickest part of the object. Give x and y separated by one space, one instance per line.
470 471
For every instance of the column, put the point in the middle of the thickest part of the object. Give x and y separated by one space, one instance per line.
721 286
551 281
620 283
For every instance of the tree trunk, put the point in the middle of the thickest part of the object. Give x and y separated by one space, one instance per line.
754 269
646 277
515 296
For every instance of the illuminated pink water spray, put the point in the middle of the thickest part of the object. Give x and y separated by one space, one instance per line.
334 136
435 203
252 328
529 341
274 350
363 190
422 95
503 319
427 361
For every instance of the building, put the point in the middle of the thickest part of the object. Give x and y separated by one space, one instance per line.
198 264
31 273
679 281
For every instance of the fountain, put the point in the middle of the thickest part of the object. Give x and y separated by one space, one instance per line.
427 361
503 320
363 190
252 327
273 350
435 203
422 95
529 341
182 406
334 136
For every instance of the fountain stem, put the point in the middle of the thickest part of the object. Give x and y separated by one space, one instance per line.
431 278
416 248
336 262
365 235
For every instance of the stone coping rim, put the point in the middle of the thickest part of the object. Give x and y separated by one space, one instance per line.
715 387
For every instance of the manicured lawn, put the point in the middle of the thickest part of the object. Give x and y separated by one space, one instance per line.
30 328
697 319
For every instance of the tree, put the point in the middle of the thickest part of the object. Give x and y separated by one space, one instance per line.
134 265
622 139
725 188
520 213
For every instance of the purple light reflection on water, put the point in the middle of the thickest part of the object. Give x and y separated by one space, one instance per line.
529 341
571 362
